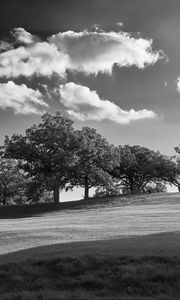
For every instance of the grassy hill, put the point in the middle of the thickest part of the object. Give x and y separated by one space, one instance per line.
119 248
94 220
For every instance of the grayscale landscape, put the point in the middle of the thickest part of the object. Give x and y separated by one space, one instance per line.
89 150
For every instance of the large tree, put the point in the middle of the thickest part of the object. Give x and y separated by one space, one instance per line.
47 150
96 159
140 166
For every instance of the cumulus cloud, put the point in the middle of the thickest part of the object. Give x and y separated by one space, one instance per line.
90 52
24 37
21 99
4 46
93 52
40 58
84 104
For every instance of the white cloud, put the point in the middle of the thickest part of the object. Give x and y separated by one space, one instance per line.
120 24
40 58
22 36
21 98
178 84
88 52
84 104
93 52
96 27
4 46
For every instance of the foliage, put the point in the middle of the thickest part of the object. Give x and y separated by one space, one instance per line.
12 182
38 190
174 176
47 150
113 189
96 158
155 187
140 166
55 156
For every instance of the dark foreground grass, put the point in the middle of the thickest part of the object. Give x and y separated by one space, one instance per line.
94 277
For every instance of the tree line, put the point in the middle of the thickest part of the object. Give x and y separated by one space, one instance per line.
53 155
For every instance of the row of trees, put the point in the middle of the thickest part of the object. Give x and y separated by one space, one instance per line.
53 156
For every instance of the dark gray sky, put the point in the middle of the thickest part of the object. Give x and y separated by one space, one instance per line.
153 87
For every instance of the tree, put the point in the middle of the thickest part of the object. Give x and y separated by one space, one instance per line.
96 158
112 189
174 176
36 188
12 181
47 150
140 166
155 187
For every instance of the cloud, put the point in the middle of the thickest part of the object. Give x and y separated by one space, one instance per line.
40 58
120 24
21 99
24 37
4 46
90 52
178 84
84 104
95 27
93 52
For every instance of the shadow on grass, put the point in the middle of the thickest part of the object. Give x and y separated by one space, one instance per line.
30 210
92 277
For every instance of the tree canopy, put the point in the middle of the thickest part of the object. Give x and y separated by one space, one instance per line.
48 149
140 166
12 181
56 156
174 175
96 159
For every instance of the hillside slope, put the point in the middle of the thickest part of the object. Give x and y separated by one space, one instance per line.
139 216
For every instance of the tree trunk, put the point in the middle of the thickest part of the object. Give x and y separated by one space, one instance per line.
56 192
179 188
132 186
86 188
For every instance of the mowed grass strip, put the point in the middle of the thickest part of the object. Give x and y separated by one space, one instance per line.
92 277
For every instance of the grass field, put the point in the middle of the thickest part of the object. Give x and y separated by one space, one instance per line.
92 277
124 217
128 249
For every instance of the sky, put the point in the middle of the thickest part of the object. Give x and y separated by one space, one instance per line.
109 64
